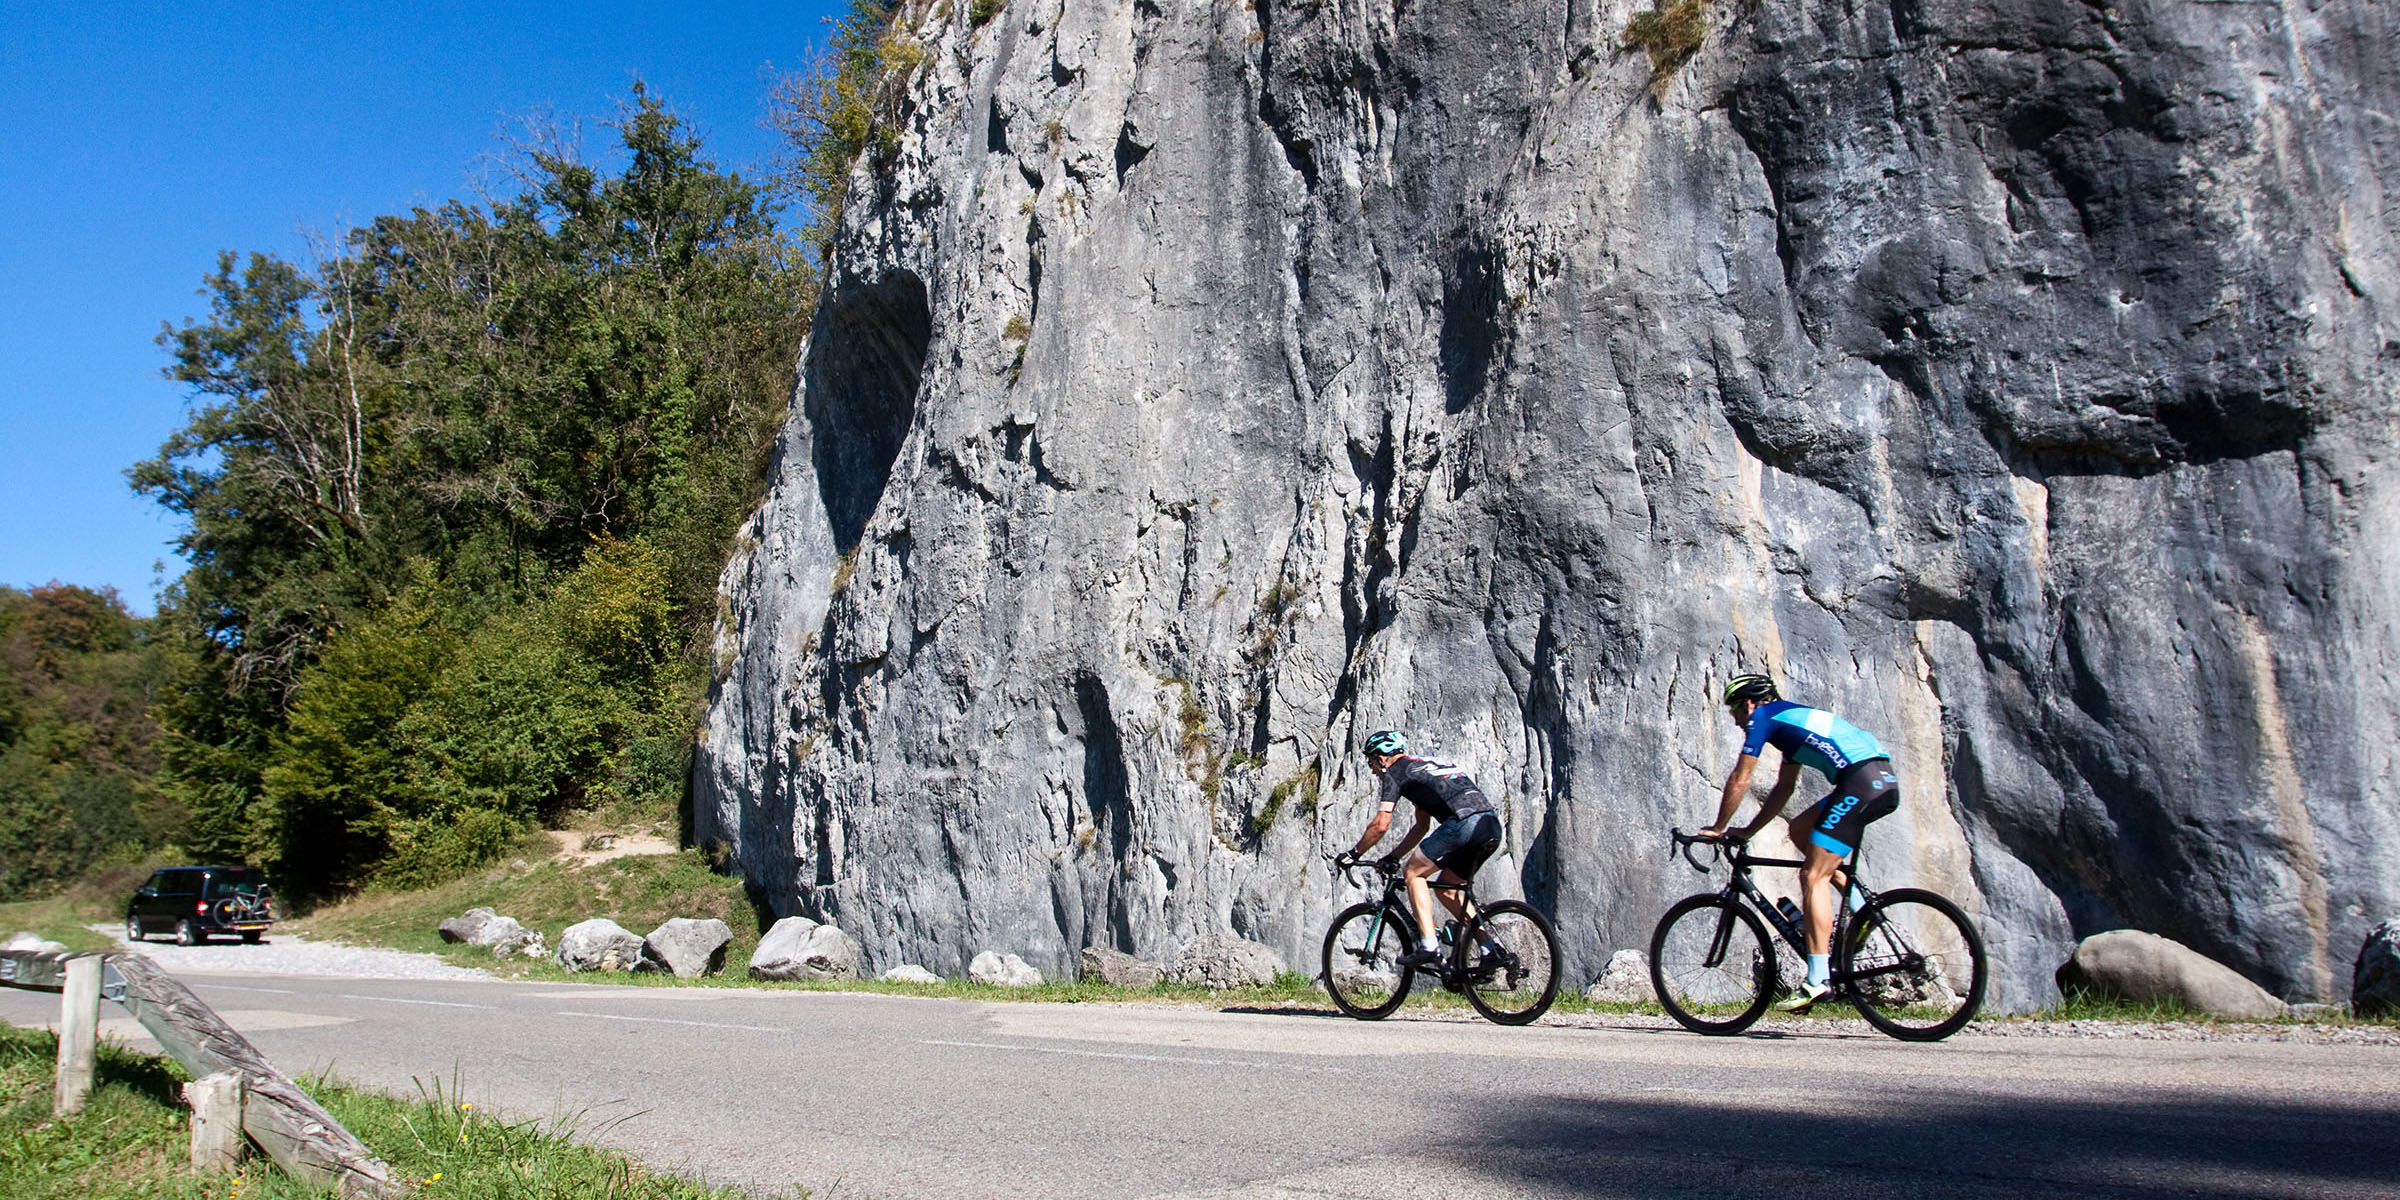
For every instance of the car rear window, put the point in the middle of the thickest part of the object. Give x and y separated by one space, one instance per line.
227 883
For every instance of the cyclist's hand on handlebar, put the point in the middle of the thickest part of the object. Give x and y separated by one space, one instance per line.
1344 861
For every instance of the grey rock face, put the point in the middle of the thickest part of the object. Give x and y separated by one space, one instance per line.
1120 970
2375 976
1200 386
1220 962
909 973
465 926
1625 981
798 948
599 945
2146 968
688 948
1002 970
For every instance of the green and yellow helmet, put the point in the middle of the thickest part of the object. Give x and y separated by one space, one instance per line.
1749 687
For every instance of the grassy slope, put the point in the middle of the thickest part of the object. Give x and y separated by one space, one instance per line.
131 1142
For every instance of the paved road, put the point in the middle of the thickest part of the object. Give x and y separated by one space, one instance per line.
854 1095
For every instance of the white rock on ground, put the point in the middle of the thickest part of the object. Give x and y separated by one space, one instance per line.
1223 961
599 945
909 973
33 942
801 949
464 927
1625 981
1119 969
689 948
2146 968
1002 970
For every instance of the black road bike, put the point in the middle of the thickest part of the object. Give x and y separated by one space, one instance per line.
1908 959
1505 960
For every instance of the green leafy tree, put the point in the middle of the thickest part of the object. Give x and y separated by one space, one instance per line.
457 500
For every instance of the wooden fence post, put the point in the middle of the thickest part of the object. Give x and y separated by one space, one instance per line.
78 1033
216 1103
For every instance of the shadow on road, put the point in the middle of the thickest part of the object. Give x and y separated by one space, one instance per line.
1920 1148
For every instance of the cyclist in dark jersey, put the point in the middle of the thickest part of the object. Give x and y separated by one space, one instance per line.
1468 833
1864 789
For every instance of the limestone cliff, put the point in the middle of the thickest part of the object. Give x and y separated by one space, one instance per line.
1201 385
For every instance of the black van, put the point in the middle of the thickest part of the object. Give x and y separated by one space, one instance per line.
195 903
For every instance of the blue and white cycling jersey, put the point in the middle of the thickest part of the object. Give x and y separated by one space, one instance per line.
1811 737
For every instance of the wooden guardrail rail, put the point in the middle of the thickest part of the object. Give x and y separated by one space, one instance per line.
299 1135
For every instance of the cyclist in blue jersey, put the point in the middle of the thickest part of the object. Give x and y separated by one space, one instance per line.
1864 789
1468 833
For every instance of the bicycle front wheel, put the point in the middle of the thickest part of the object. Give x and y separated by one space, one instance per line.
1362 965
1712 965
1915 965
1512 963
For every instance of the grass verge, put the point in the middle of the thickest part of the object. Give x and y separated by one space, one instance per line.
132 1142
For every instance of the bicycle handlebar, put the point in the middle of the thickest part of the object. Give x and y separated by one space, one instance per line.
1685 843
1379 866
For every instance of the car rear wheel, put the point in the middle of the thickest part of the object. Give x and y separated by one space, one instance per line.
188 934
250 936
133 929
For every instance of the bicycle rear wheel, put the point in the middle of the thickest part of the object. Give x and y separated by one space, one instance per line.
1915 965
1712 965
1362 969
1512 963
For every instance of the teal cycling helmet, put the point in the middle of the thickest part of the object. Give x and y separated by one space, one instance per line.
1749 687
1386 741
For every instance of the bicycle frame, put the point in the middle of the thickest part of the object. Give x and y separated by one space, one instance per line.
1740 887
1395 894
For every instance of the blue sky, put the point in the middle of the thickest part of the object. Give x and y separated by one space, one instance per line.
143 139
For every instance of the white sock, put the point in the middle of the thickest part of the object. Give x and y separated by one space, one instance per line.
1819 970
1429 944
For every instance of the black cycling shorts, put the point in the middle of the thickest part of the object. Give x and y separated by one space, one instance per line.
1460 846
1864 792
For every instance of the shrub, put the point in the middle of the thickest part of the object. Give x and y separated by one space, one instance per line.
1669 35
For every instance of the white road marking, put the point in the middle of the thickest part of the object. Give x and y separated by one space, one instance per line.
235 987
398 1000
671 1021
1164 1058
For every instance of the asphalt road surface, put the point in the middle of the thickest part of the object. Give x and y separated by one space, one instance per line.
854 1095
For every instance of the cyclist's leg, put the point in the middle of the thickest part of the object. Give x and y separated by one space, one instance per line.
1862 794
1419 871
1478 837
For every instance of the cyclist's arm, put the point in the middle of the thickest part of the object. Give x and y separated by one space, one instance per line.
1737 787
1382 824
1772 807
1416 834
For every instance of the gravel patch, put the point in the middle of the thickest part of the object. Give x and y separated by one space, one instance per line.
291 954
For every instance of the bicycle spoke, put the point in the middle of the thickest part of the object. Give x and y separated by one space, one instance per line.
1914 965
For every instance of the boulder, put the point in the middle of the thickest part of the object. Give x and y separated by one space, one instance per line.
689 948
1003 970
909 973
2147 969
2375 977
599 945
464 927
505 937
798 948
1118 969
32 942
1625 981
1222 961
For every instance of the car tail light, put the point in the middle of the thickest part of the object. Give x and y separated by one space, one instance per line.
201 908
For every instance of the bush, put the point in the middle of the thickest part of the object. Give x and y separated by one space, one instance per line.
1670 36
